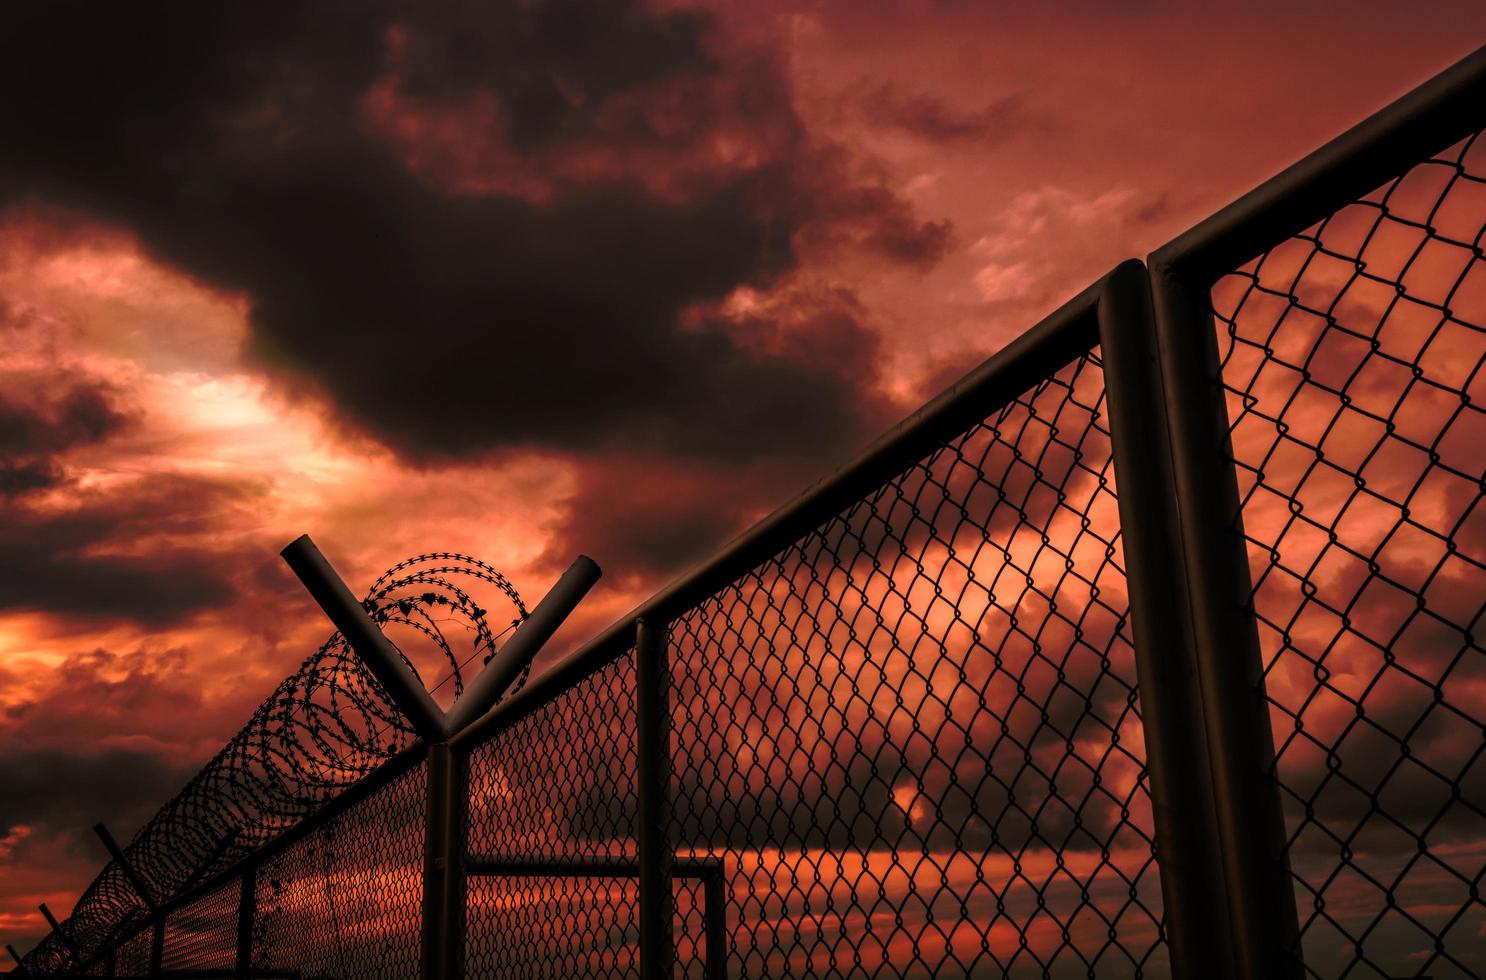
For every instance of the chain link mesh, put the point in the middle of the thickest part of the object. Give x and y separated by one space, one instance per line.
134 955
1351 358
552 927
346 901
912 736
203 935
559 785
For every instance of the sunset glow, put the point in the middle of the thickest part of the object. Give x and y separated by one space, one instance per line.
620 283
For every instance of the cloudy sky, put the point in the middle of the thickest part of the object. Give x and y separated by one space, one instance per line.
525 280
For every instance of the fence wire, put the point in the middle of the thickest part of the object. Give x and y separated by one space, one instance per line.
345 902
133 958
1352 359
558 786
913 736
203 935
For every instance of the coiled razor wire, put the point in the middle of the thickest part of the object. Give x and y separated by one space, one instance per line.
324 727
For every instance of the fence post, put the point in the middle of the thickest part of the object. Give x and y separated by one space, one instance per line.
714 898
439 863
247 914
653 761
1230 670
1189 851
456 847
157 946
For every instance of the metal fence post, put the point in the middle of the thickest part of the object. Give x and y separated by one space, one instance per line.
157 946
653 750
456 847
1187 843
60 933
437 864
1229 666
714 898
247 914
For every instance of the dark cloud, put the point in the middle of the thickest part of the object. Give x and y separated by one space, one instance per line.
238 142
34 431
66 792
646 522
61 765
129 551
554 66
648 515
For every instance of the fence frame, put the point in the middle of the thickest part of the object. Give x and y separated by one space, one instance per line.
1114 310
1250 819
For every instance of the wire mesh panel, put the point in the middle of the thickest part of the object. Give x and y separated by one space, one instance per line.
555 927
1351 359
912 737
346 900
690 934
558 785
203 935
134 956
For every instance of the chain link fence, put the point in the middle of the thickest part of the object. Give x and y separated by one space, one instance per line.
912 737
1351 355
927 720
552 810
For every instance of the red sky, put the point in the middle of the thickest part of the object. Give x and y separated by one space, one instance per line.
602 278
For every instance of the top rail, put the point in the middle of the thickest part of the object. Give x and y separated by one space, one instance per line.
1426 120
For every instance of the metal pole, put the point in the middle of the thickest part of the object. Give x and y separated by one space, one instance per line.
61 933
456 851
157 947
487 687
20 964
1229 665
715 910
377 652
435 938
653 749
247 913
1193 889
116 852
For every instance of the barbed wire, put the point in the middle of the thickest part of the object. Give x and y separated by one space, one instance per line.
323 728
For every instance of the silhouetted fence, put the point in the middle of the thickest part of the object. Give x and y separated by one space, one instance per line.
1152 647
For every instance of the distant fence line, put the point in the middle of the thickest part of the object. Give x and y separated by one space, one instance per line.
1153 647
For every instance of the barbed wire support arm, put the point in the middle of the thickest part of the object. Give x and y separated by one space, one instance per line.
377 652
51 920
512 658
135 879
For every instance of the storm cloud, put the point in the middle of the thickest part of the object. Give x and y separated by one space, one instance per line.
533 265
